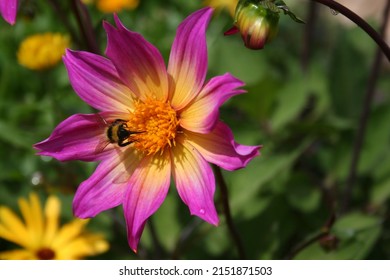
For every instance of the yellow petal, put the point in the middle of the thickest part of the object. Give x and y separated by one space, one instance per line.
83 246
18 254
32 214
52 212
12 228
68 232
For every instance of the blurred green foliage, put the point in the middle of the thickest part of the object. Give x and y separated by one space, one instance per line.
304 114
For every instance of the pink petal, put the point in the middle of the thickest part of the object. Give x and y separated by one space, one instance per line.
188 58
231 31
106 187
195 182
145 193
219 147
76 138
139 63
202 114
96 81
8 10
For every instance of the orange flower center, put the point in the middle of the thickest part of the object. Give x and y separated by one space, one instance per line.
157 123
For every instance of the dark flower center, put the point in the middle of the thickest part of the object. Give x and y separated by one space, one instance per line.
46 254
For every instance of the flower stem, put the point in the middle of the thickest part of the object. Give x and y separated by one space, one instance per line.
360 22
314 238
365 114
226 210
308 35
61 15
85 25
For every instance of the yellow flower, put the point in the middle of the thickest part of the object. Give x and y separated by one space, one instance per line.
42 51
230 5
114 6
40 235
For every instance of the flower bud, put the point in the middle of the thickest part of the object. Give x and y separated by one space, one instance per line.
257 21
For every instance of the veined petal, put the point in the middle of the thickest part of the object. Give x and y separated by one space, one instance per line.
202 114
146 191
8 10
79 137
106 187
195 182
139 63
219 147
188 59
95 79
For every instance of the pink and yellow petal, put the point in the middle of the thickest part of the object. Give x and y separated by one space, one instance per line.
219 148
202 114
106 187
95 79
145 193
188 58
140 65
195 182
79 137
8 10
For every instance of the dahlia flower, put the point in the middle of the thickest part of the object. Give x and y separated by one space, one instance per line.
168 116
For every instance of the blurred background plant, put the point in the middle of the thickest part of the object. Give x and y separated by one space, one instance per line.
306 92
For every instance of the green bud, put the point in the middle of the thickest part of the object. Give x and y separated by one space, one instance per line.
257 21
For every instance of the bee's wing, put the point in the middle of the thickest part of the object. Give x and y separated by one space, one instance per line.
103 143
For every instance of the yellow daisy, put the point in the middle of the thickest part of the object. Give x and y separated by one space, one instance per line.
42 51
39 234
114 6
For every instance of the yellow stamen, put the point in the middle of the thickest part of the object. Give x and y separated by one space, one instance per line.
158 123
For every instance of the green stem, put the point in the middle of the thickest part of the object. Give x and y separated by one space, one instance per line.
226 209
85 25
365 114
360 22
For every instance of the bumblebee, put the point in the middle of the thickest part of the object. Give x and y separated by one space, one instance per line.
119 133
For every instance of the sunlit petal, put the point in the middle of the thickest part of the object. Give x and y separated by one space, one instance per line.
106 187
146 191
95 79
202 114
195 182
188 58
219 147
139 63
79 137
